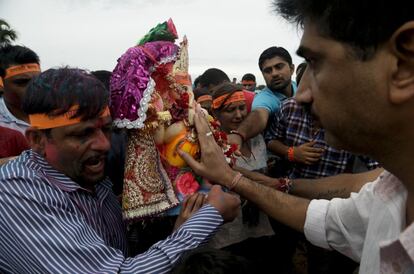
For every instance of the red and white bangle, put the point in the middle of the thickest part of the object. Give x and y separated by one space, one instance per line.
235 181
285 185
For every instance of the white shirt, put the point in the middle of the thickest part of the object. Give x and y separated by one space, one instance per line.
368 227
9 120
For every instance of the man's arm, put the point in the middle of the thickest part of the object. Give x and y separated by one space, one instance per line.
278 148
339 186
285 208
346 224
306 153
253 125
52 236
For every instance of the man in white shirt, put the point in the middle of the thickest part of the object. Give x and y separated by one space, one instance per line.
360 82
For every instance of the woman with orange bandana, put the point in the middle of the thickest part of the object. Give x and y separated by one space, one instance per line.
250 233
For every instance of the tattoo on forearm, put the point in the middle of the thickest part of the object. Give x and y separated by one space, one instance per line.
333 193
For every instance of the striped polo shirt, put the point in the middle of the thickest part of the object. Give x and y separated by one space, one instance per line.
50 224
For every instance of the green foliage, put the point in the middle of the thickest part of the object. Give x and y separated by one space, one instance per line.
158 33
7 35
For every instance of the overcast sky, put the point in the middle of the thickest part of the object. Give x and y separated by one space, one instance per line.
92 34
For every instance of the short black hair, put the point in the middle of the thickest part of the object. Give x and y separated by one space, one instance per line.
12 55
248 77
200 92
55 91
104 76
196 81
214 77
274 52
363 25
299 72
209 260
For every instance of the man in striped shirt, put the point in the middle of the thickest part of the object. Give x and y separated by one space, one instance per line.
58 212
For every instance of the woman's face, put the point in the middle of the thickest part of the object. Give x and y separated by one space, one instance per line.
231 115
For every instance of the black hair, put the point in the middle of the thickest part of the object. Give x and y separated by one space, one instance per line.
55 91
209 260
226 88
15 55
197 80
200 92
248 77
213 77
299 72
363 25
274 52
104 76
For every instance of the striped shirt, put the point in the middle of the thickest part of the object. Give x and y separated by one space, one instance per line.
50 224
293 126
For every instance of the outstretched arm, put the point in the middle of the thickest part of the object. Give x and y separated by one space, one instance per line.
285 208
253 125
339 186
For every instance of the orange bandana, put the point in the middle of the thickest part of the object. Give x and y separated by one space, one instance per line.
43 121
226 99
204 98
20 69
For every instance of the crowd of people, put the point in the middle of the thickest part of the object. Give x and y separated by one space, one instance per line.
319 164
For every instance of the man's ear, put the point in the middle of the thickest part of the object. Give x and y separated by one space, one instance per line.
402 47
292 68
37 140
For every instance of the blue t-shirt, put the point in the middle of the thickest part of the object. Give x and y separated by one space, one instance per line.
270 100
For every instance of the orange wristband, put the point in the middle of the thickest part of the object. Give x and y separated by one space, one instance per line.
290 155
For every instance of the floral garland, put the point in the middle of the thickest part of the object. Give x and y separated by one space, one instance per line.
222 141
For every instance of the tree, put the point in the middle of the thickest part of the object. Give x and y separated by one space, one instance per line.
7 35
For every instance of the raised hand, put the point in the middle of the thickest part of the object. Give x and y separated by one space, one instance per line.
227 204
307 153
191 204
212 164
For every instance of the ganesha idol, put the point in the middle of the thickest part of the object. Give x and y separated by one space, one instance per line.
151 97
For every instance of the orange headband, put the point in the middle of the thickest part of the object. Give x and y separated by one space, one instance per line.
204 98
248 82
15 70
225 99
43 121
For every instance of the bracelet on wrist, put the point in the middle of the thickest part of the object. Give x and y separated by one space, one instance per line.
285 185
238 133
235 181
290 154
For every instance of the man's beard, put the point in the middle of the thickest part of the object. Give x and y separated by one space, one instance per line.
280 87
